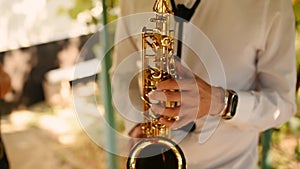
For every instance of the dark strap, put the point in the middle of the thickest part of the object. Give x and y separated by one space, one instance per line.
183 14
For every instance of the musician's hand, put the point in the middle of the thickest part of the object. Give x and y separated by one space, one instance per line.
136 134
196 97
4 83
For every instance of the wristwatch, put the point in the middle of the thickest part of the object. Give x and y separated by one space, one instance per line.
231 102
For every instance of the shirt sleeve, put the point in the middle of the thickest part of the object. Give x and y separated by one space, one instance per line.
273 103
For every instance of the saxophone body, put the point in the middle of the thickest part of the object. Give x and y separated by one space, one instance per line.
157 150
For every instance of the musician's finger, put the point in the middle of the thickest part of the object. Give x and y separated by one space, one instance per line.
169 112
171 96
167 122
178 84
175 122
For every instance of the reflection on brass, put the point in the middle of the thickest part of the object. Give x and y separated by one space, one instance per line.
158 64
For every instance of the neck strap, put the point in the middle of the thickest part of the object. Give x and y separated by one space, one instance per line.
183 12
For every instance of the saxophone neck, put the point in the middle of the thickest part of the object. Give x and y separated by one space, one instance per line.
162 6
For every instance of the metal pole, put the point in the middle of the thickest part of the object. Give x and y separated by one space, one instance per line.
266 139
105 88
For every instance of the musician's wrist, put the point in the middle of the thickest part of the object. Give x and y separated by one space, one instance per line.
218 102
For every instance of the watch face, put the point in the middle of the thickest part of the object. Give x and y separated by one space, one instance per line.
234 102
231 105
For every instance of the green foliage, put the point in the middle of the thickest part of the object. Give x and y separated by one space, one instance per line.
294 126
86 7
297 15
296 7
80 5
297 151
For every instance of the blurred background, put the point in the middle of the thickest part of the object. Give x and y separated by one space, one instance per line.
39 45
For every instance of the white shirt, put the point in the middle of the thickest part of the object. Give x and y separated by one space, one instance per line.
255 42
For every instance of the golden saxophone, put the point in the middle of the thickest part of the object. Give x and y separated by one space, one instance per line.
157 150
